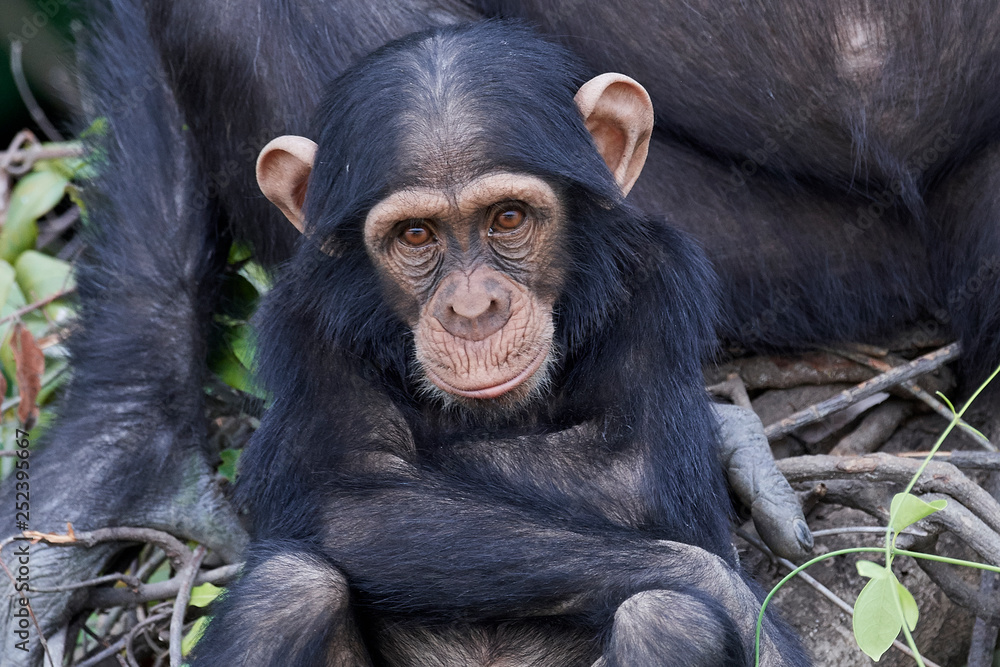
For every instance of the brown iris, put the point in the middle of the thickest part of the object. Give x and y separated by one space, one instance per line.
507 219
416 233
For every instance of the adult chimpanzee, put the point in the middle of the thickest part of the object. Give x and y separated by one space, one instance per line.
488 406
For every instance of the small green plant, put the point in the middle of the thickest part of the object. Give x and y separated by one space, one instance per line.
35 288
884 607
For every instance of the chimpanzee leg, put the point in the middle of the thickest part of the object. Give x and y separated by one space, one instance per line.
690 628
660 627
290 608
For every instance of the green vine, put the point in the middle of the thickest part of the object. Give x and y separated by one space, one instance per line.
884 606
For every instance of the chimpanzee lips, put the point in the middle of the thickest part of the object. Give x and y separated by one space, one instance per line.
497 389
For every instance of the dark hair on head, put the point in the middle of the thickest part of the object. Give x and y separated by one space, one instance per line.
470 97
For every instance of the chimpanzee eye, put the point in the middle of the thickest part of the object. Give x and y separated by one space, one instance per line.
416 233
507 219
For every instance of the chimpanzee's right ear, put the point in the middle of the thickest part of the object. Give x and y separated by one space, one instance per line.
283 170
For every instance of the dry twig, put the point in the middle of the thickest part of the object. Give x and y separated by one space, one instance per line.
914 390
105 598
17 70
938 477
848 397
178 554
187 577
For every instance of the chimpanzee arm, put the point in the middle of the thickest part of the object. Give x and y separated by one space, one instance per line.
418 548
422 546
414 536
605 484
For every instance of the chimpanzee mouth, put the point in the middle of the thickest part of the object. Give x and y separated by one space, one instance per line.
497 390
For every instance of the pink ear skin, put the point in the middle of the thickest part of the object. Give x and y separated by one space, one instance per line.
283 169
619 115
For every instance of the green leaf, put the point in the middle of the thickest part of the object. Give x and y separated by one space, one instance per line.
907 509
194 634
41 276
230 457
244 345
239 252
224 363
909 605
74 196
241 299
229 369
870 570
162 573
202 596
51 381
257 275
876 619
13 300
33 196
7 278
97 130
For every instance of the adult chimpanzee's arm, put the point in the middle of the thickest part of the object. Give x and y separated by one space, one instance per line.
128 448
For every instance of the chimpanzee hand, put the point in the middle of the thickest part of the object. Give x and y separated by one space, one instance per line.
773 504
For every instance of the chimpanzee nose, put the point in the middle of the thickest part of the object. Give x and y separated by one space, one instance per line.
473 309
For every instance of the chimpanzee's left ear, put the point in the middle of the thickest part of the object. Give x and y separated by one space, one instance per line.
283 169
619 115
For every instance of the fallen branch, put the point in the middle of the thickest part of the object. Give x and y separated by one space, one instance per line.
106 598
24 310
917 392
24 151
938 477
178 554
848 397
